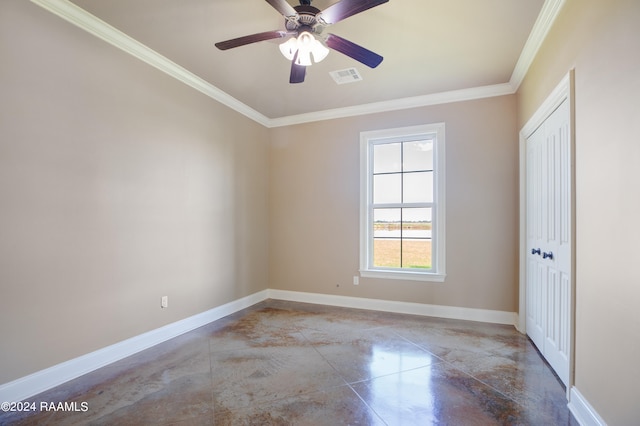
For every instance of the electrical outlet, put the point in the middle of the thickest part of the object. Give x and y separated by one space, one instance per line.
164 302
356 280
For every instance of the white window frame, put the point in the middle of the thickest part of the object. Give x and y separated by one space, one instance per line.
436 132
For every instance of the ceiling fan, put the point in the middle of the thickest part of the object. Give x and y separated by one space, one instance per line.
305 23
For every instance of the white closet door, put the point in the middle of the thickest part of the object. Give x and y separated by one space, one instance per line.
549 240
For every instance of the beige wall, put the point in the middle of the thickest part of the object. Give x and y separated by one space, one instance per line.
118 185
601 39
314 219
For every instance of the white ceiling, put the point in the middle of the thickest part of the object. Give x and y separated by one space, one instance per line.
429 47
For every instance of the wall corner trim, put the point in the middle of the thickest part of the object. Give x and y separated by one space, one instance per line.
584 413
546 18
441 98
91 24
440 311
40 381
79 17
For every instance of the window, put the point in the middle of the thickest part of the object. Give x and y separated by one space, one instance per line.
402 203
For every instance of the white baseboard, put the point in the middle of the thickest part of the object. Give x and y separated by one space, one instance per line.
584 413
33 384
440 311
40 381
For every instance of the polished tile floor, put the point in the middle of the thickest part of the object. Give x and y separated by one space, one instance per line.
286 363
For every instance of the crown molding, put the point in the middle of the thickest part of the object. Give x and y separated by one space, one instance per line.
397 104
548 14
91 24
95 26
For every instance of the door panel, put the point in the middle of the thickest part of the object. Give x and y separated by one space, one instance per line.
536 271
549 237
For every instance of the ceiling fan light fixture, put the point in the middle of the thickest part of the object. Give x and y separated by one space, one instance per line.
319 51
305 40
289 48
306 45
304 58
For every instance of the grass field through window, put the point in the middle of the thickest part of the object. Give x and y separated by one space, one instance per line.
402 253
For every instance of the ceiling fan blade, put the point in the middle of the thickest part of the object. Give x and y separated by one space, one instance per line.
359 53
345 8
297 71
253 38
283 7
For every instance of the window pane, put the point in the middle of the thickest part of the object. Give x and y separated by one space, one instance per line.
402 217
416 253
386 252
418 155
386 223
416 223
387 188
418 187
387 158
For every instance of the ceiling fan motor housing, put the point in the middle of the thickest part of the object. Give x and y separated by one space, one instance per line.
306 18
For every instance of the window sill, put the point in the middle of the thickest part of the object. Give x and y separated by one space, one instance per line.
403 275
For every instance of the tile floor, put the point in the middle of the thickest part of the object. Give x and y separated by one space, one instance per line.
286 363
